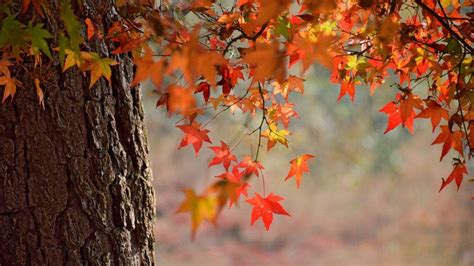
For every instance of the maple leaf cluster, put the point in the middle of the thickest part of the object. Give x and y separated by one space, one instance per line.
250 56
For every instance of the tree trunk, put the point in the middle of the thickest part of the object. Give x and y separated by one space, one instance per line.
75 181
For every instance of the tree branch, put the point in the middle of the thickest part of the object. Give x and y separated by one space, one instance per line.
445 25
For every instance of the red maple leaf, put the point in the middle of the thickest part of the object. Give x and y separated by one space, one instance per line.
222 155
265 208
457 175
251 166
233 176
298 167
194 135
449 140
394 118
347 87
407 105
205 88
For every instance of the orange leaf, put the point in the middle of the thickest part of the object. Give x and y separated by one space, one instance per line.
269 9
39 92
266 61
347 87
435 112
181 100
36 4
406 106
457 175
4 64
298 167
193 61
394 119
90 28
147 67
449 140
10 87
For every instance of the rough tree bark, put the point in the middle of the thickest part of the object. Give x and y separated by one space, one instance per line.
75 182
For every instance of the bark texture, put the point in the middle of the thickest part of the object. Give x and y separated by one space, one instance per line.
75 182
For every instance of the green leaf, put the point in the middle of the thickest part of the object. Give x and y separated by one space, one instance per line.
283 27
38 37
12 35
63 45
72 25
453 47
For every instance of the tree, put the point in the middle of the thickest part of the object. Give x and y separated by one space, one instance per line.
249 56
75 183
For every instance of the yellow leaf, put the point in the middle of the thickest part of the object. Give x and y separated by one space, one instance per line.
275 135
98 66
72 59
201 207
353 61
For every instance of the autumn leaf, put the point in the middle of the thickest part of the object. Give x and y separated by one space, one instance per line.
292 84
10 87
194 136
205 88
269 9
450 139
194 61
272 67
148 68
181 100
251 166
201 207
36 4
73 59
347 87
275 135
407 105
283 113
90 28
228 191
4 65
264 208
39 92
298 167
223 155
394 119
457 175
435 112
98 66
233 176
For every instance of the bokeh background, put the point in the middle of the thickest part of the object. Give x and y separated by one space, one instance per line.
371 199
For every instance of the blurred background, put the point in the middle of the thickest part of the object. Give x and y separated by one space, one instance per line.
371 199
